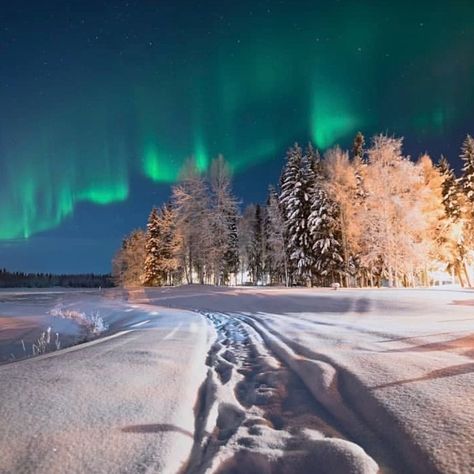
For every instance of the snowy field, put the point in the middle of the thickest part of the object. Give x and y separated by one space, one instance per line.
240 380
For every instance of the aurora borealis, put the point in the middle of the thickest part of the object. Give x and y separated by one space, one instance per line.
102 102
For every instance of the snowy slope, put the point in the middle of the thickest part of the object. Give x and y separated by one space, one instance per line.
119 404
250 380
392 367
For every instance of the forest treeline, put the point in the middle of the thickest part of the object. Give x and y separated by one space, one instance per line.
364 217
47 280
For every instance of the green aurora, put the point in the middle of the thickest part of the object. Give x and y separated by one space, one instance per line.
92 107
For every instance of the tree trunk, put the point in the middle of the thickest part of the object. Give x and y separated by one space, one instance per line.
287 281
466 273
344 248
457 272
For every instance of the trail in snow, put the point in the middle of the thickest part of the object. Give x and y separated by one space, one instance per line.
257 414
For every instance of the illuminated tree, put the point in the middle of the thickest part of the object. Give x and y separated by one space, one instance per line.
152 247
429 200
451 190
223 221
452 238
359 165
393 220
169 244
341 183
467 185
162 243
128 263
190 200
358 145
467 178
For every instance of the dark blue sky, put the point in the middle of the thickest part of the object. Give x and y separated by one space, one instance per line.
103 101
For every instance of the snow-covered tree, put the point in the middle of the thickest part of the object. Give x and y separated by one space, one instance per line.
430 201
231 255
342 185
245 228
223 221
314 159
255 250
190 199
358 150
324 224
453 247
359 164
297 190
152 275
451 192
169 244
162 244
276 258
467 185
128 263
393 219
467 177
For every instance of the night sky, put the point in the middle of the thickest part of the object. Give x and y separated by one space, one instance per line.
102 101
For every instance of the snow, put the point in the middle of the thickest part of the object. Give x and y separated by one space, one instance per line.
248 380
393 367
123 403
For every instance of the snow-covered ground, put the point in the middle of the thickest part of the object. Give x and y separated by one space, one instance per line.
122 403
246 380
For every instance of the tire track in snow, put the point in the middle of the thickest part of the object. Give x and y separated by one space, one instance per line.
255 414
173 332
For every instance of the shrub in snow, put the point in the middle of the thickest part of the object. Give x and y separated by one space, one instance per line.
44 343
93 323
97 323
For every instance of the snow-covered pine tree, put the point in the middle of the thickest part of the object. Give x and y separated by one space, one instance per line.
245 226
467 177
358 145
152 245
314 159
128 263
359 163
297 188
168 245
289 199
467 185
324 228
450 190
452 240
255 249
231 255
